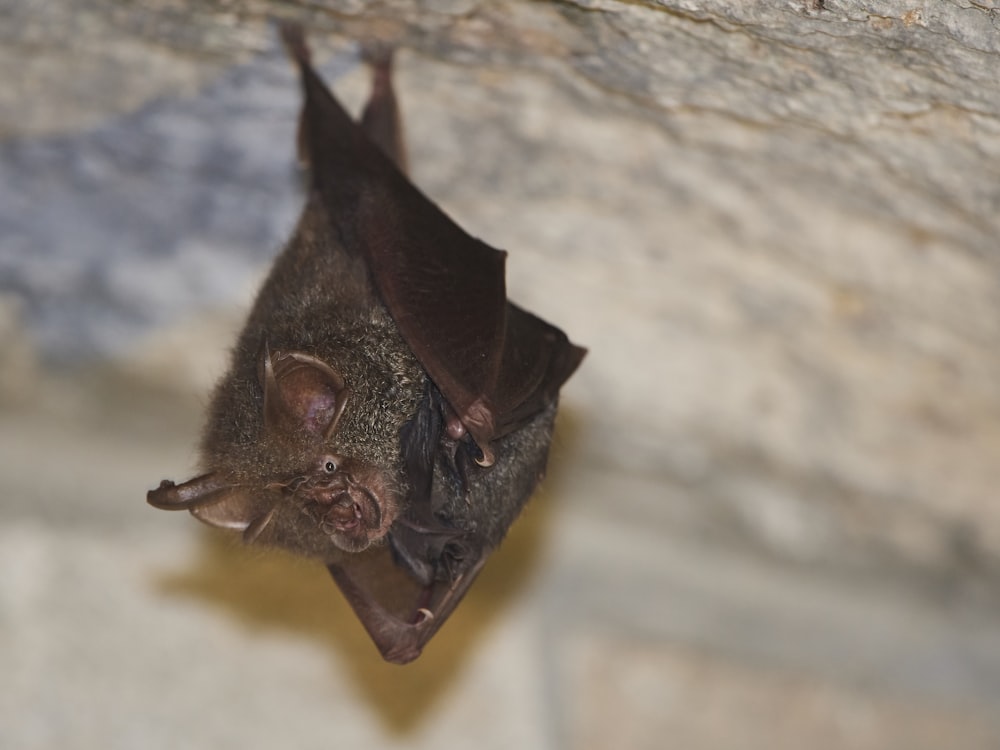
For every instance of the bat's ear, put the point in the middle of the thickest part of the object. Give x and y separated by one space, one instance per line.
215 501
207 488
236 510
301 393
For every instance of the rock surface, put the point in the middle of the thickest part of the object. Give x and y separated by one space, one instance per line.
775 225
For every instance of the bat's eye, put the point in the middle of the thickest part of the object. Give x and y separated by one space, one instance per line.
329 466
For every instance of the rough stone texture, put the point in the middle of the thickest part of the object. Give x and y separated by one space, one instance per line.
775 226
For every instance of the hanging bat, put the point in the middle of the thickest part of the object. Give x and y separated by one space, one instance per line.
387 410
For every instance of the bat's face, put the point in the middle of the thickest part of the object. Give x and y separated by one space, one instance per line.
352 502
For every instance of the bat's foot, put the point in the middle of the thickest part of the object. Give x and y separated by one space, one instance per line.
379 56
295 41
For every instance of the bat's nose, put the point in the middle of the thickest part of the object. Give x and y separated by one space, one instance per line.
344 513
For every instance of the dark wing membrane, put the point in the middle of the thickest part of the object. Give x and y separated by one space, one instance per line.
494 363
444 289
537 359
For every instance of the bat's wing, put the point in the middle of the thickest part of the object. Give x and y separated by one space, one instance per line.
400 615
495 364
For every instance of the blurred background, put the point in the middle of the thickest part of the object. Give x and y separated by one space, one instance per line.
771 519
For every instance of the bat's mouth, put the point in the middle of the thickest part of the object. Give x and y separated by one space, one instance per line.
355 508
352 517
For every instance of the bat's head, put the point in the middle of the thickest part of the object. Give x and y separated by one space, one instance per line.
293 481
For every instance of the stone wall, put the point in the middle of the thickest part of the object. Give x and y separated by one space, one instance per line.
775 225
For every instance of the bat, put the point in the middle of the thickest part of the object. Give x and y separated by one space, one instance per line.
387 410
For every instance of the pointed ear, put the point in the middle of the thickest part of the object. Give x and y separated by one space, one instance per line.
234 509
204 489
301 393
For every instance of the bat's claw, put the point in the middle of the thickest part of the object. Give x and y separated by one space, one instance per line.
423 615
486 458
